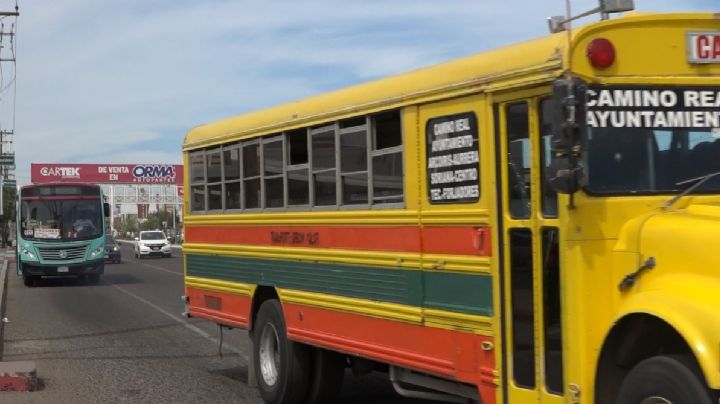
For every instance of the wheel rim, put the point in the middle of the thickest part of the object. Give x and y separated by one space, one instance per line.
269 355
656 400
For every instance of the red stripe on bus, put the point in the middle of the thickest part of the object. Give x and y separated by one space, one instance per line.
454 354
461 240
225 308
449 353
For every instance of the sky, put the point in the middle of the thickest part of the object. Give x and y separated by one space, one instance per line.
120 82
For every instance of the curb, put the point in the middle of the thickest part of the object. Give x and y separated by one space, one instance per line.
17 375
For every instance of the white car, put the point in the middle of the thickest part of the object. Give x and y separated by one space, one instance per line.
152 243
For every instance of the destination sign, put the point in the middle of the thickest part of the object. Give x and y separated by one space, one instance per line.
653 107
453 168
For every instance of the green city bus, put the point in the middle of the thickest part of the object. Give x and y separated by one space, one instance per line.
61 231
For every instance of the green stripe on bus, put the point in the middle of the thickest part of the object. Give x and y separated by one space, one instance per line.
458 292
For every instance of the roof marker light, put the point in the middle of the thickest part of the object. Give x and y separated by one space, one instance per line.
600 53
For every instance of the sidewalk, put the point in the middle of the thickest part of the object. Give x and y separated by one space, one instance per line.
19 375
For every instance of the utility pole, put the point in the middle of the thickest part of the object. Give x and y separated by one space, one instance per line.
7 160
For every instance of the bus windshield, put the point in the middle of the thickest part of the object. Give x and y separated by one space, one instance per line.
60 219
649 140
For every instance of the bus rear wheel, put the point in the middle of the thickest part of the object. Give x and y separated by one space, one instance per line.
282 366
664 380
328 372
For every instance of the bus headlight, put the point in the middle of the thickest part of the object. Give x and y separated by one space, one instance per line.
97 251
27 253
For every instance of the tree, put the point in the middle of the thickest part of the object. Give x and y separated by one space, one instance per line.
9 213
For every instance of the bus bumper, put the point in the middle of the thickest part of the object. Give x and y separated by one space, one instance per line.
87 268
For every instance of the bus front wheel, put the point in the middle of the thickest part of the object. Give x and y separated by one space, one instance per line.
282 366
28 280
664 379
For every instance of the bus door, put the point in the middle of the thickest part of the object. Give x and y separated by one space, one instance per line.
529 240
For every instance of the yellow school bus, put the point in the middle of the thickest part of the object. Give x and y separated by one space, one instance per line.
534 223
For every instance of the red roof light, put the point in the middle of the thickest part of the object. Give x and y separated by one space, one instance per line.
601 53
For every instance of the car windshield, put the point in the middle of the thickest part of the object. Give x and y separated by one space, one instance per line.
60 219
649 161
155 235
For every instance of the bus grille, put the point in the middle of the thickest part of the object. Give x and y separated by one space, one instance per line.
62 254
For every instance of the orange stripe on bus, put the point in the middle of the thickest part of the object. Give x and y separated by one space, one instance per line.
453 354
225 308
461 240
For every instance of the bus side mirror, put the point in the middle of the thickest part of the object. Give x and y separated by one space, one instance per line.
569 133
106 209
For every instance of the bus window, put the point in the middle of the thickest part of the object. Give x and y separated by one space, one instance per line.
518 160
298 181
323 166
231 177
387 164
354 165
213 160
251 175
197 181
274 173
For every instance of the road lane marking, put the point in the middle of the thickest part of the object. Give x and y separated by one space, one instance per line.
162 269
183 321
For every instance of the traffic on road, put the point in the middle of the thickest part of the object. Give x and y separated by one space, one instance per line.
125 340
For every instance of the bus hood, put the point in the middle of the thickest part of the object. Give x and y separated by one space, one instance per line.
670 242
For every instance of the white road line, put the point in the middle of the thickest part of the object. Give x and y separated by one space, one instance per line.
162 269
183 321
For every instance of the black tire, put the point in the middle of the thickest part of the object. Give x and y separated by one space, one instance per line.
92 279
674 379
29 281
282 366
328 372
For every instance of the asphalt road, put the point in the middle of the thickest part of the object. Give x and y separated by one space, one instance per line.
125 341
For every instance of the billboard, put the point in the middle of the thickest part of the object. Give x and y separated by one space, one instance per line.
107 173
